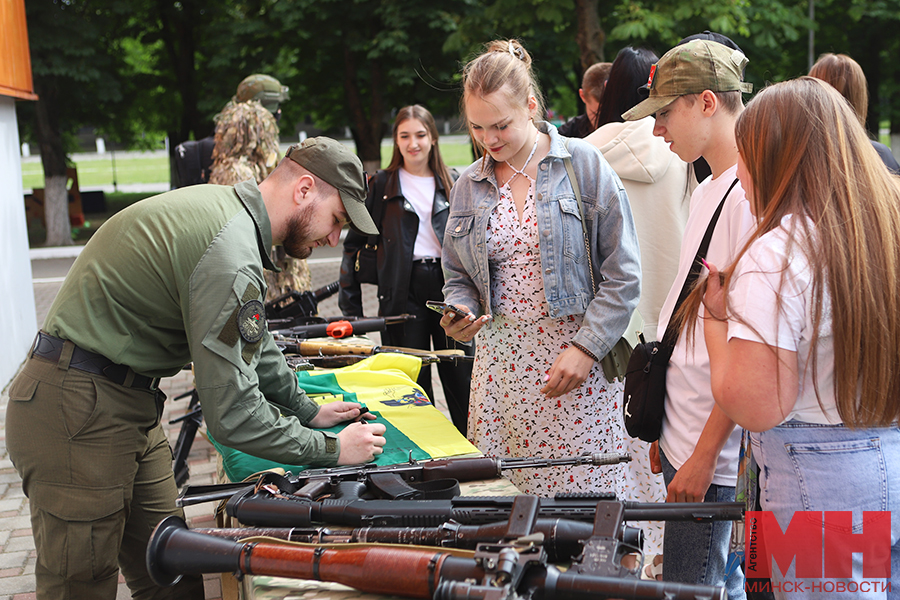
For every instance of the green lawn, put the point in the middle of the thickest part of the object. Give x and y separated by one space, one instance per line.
155 169
93 173
454 154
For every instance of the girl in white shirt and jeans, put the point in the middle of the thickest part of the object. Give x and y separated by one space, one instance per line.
803 331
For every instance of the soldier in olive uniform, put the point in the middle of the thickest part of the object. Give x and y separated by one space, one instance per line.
173 279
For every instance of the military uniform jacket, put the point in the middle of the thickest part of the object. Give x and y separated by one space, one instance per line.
178 278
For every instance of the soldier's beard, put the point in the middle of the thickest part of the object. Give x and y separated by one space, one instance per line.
297 241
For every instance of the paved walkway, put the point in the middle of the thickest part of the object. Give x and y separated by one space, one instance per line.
17 554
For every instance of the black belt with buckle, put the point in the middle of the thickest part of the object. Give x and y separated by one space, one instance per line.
50 348
428 260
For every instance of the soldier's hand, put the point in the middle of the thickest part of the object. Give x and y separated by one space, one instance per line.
333 413
361 443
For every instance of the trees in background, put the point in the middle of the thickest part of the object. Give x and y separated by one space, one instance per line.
142 69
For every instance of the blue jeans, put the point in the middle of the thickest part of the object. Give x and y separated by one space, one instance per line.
698 552
811 467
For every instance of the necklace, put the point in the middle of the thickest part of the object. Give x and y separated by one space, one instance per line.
525 166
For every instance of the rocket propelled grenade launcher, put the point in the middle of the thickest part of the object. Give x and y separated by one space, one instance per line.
515 566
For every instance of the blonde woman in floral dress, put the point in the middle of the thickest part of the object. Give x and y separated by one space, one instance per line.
514 253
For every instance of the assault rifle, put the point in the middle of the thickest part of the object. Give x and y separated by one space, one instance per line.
266 507
516 566
400 481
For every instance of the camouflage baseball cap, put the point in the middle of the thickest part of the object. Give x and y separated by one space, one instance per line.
264 88
335 164
690 69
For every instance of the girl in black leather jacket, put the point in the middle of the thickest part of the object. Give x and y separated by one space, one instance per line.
409 204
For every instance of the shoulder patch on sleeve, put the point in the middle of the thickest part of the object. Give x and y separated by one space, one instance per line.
230 334
251 293
248 351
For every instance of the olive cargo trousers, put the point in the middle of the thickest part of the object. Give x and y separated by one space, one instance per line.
97 470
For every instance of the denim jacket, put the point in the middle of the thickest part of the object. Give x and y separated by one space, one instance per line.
564 262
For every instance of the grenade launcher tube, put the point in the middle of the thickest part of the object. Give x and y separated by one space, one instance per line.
563 538
411 572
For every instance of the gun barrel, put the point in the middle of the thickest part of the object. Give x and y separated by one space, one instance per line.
596 459
327 290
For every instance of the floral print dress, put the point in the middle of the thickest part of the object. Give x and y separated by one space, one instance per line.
508 415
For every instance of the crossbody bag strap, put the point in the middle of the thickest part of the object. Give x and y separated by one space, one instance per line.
577 189
670 337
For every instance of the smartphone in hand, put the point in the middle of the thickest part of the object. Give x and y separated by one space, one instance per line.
443 307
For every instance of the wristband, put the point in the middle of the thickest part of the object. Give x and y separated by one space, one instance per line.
585 350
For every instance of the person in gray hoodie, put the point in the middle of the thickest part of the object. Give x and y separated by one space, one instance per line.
657 182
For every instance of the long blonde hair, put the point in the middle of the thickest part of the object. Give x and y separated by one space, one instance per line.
807 154
435 161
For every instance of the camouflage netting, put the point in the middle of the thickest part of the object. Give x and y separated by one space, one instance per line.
247 147
246 143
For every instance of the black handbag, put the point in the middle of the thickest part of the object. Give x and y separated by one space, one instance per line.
645 375
365 266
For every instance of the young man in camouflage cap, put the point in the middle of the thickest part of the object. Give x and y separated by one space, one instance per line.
173 279
695 94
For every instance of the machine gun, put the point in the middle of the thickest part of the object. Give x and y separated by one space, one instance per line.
266 507
400 481
516 566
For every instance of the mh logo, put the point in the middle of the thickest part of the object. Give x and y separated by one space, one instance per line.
821 544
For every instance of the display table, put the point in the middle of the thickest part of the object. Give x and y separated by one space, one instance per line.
258 587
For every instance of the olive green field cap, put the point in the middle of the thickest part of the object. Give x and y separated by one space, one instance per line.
336 165
692 68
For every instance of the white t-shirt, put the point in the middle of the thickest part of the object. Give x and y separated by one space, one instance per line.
763 273
419 192
689 399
